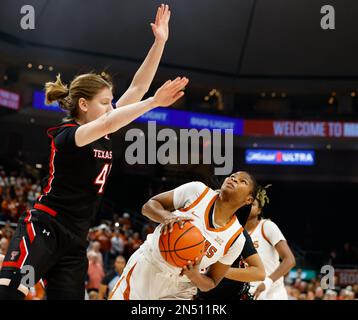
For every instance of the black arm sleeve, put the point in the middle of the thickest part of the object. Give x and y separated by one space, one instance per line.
247 251
249 248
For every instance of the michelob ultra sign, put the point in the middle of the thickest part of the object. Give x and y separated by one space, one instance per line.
280 157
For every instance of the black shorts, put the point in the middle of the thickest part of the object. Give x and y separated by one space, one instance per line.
57 256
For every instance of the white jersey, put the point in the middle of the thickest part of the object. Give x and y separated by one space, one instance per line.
264 237
223 244
148 276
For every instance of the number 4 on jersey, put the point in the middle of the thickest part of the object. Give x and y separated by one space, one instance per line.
101 178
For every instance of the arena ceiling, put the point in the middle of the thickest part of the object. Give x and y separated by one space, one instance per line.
230 39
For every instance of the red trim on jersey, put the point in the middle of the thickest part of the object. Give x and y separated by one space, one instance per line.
58 127
43 282
29 226
115 288
202 195
127 292
47 189
23 255
46 209
264 234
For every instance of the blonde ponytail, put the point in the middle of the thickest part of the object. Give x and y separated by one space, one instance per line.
83 86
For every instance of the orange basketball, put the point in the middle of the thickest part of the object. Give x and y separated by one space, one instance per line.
182 245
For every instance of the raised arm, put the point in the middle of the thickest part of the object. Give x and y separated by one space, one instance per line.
145 74
113 120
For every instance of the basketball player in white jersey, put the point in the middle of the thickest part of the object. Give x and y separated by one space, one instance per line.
271 246
148 276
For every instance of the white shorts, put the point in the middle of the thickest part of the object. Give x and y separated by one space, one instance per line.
143 279
276 292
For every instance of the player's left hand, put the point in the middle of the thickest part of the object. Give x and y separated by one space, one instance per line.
191 270
161 25
259 290
262 288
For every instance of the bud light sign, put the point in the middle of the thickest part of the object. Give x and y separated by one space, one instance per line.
280 157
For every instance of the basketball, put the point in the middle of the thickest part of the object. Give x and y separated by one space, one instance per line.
181 245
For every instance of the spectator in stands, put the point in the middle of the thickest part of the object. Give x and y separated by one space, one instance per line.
111 278
7 231
96 248
16 195
134 242
117 243
302 296
92 235
93 295
95 271
103 236
330 295
346 294
4 180
33 194
4 244
319 293
148 228
310 295
126 223
115 218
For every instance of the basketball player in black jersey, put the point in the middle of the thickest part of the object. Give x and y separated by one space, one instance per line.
52 237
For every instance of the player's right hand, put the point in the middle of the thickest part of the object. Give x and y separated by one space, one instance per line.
169 222
170 91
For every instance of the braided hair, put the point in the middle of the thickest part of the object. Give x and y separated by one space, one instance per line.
262 197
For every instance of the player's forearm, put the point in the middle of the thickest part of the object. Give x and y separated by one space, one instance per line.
145 74
155 211
112 121
119 118
203 282
248 274
285 266
143 77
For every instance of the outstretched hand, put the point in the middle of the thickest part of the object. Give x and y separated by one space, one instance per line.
170 92
161 25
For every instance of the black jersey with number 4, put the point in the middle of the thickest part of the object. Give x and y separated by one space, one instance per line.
76 179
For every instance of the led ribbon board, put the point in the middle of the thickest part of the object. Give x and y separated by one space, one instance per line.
280 157
38 102
185 119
